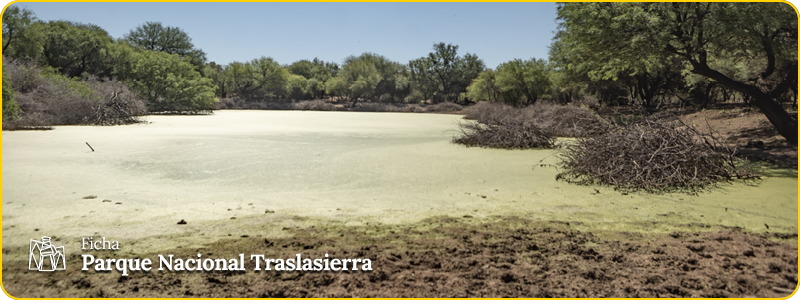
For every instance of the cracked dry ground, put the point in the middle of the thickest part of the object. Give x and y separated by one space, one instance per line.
460 257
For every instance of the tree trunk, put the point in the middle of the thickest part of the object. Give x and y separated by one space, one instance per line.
783 122
786 125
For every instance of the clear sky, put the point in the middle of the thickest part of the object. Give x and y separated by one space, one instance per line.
496 32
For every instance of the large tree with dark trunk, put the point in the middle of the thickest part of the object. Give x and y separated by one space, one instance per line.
747 47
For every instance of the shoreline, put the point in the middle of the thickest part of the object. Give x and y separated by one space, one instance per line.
238 178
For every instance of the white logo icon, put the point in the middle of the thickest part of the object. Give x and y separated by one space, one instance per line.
46 257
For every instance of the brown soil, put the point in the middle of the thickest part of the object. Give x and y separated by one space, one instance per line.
744 128
457 257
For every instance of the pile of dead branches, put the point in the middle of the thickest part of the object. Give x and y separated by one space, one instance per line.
507 134
651 155
120 106
566 120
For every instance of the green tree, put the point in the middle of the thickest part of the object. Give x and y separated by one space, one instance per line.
269 77
219 75
75 49
241 79
484 88
315 88
296 87
259 79
523 82
173 40
394 76
317 73
705 37
20 39
169 83
357 79
302 68
445 71
422 77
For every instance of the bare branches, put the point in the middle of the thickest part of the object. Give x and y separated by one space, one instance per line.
651 155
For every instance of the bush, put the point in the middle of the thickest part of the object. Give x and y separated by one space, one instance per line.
556 119
444 107
10 107
566 120
319 105
51 99
650 155
491 113
170 83
502 126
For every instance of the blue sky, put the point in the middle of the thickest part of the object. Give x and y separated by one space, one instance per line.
496 32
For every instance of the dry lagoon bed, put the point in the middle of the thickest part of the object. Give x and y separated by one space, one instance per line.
387 186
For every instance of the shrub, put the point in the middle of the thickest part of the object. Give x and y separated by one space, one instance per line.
314 105
52 99
566 120
170 83
491 113
650 155
10 107
444 107
559 120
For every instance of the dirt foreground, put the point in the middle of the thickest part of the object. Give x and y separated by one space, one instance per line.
455 257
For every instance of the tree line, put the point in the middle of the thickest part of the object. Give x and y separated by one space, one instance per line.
648 54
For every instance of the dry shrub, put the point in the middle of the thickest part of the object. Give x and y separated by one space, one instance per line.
566 120
387 107
225 103
25 76
239 103
559 120
47 99
444 107
120 105
323 105
57 103
49 104
314 105
491 113
373 107
507 134
651 155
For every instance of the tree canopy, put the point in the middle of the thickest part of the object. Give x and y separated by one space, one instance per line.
444 73
173 40
169 83
758 39
17 30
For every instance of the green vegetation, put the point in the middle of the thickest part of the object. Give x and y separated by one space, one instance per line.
169 83
10 107
745 48
156 37
43 97
74 62
443 75
653 55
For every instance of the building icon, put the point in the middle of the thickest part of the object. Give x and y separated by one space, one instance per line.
46 257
